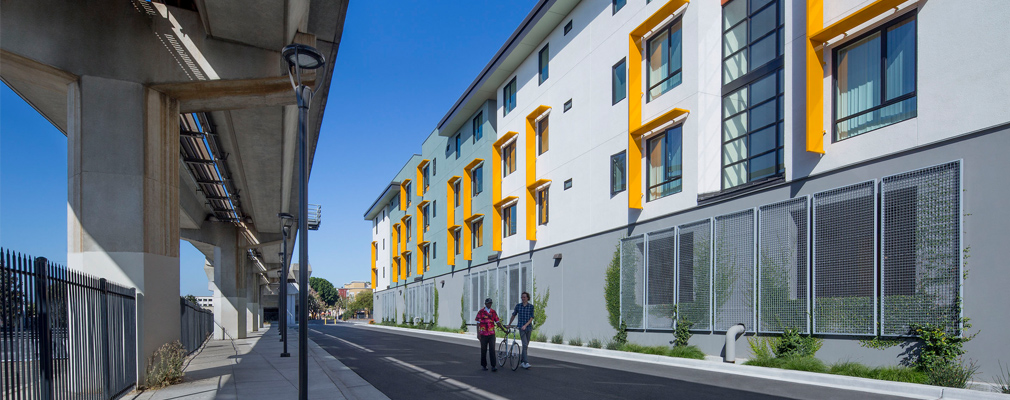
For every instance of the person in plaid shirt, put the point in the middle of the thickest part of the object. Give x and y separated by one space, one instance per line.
524 311
486 320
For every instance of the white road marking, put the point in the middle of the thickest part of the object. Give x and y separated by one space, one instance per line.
357 346
444 379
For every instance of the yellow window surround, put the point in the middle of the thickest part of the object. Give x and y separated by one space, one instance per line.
467 199
531 168
420 177
450 209
496 168
396 246
404 194
817 36
636 48
450 247
374 251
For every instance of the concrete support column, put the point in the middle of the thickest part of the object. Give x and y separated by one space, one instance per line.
123 198
252 300
229 293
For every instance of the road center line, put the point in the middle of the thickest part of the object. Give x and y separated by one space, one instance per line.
357 346
444 379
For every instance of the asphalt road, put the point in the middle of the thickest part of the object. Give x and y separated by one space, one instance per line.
418 366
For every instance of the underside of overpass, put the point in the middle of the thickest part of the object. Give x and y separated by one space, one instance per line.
181 124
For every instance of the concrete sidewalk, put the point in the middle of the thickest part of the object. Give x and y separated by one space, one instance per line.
252 368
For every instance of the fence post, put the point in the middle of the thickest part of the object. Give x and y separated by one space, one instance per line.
42 331
104 296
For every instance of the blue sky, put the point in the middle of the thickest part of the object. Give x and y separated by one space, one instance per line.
397 72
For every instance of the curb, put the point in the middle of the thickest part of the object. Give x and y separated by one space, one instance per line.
901 389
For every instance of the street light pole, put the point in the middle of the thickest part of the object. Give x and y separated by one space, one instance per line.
283 306
298 57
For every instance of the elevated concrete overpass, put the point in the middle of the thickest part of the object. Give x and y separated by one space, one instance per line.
181 124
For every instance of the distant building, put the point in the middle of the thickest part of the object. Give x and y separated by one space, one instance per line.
205 302
351 289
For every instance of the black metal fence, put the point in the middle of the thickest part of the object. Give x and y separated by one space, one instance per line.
64 334
196 323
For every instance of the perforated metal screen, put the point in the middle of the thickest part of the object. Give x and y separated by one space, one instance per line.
782 266
734 270
920 248
632 281
844 269
501 301
694 273
660 285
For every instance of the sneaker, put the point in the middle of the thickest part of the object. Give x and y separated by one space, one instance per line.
494 369
527 366
484 368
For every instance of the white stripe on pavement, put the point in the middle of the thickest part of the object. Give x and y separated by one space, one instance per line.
359 347
444 379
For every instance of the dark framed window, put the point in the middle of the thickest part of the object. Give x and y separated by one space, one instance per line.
434 208
568 105
545 59
508 215
477 233
509 96
407 190
478 180
406 227
455 193
458 142
426 257
619 81
424 210
664 152
406 263
618 5
875 79
509 159
424 173
752 103
478 126
455 241
433 170
665 52
543 144
543 206
568 27
434 249
568 184
618 172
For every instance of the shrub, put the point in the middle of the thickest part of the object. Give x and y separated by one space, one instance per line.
793 344
557 339
621 337
595 343
612 345
937 348
462 319
761 348
954 374
577 341
539 337
612 290
682 333
165 365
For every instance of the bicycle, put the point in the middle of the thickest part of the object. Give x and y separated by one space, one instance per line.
509 352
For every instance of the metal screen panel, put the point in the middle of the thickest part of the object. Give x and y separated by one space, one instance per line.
501 297
632 281
526 270
734 270
694 274
782 266
920 249
660 284
844 270
515 287
466 299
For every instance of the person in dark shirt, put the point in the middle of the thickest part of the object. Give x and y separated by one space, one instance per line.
524 311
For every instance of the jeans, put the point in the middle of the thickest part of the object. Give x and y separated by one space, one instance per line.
487 350
524 335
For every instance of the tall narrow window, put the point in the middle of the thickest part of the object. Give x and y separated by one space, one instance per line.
427 258
406 226
478 180
875 84
664 60
619 82
457 145
455 193
434 250
542 142
545 58
426 219
406 263
664 153
618 5
477 233
433 171
434 208
408 193
509 96
455 241
543 202
752 103
568 27
425 174
618 172
478 126
509 159
508 225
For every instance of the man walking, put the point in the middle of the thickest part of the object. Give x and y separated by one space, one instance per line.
486 320
524 311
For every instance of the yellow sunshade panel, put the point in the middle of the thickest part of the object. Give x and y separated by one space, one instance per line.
505 201
420 178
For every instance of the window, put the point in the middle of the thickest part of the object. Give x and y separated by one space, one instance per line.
568 27
619 82
568 184
875 79
508 221
455 241
427 258
457 145
406 263
424 210
434 208
509 159
542 206
478 126
664 153
425 173
407 187
509 96
545 58
455 193
383 243
618 5
478 180
752 103
618 172
568 105
433 159
664 60
542 142
477 234
406 226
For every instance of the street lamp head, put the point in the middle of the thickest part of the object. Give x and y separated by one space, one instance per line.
302 56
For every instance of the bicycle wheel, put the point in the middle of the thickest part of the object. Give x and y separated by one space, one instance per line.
514 355
503 352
